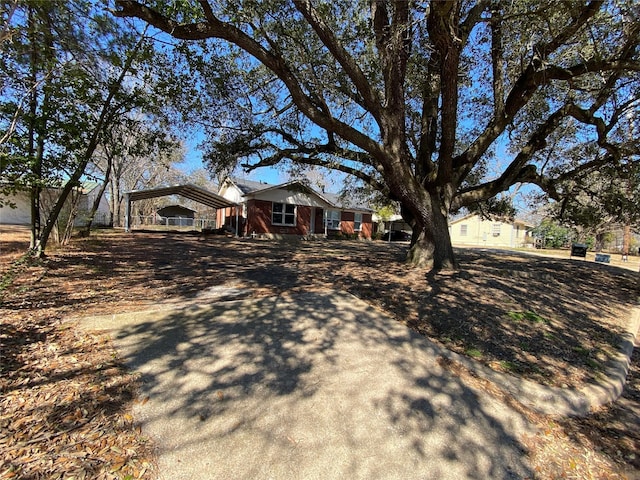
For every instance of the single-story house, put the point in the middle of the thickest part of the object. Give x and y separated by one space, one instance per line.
16 208
476 230
290 209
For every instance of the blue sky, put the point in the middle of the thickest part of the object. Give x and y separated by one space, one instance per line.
193 161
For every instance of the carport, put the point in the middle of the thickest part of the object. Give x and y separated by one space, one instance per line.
192 192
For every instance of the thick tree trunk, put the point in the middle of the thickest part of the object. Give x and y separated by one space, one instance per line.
431 243
113 200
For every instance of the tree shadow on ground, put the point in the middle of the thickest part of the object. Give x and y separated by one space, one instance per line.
575 302
555 321
608 428
530 316
54 387
302 380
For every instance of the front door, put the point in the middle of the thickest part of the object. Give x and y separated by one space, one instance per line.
317 221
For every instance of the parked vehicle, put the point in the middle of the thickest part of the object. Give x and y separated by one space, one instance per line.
397 236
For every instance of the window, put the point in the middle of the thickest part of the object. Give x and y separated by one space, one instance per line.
463 230
283 214
495 229
357 222
333 219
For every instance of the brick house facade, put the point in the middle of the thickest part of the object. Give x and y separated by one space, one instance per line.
290 209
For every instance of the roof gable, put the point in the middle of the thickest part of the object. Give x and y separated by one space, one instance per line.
294 192
176 208
254 189
247 186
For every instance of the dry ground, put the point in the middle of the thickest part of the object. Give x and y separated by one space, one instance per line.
65 400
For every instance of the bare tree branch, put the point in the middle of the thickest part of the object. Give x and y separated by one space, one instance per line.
526 85
215 28
298 157
517 169
370 98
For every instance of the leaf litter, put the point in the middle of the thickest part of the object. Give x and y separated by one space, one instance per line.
65 405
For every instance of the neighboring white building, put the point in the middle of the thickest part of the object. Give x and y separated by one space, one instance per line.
478 231
21 214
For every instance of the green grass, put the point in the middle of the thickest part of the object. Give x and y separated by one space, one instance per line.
509 366
528 315
581 350
473 352
518 368
594 364
526 346
588 355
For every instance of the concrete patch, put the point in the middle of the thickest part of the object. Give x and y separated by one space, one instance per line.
307 386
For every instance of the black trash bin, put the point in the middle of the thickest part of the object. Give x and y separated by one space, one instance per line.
579 250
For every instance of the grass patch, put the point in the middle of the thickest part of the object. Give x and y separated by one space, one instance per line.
585 352
590 357
527 347
16 267
596 365
527 315
520 368
473 352
508 366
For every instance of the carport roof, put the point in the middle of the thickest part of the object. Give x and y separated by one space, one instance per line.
192 192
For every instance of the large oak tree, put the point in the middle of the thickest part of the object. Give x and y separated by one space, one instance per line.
417 99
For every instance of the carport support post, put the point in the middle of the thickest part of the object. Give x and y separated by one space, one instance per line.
127 212
325 220
237 217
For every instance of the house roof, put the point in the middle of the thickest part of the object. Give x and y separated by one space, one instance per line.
248 186
346 203
192 192
88 186
334 200
177 207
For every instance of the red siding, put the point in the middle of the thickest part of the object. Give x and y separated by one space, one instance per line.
303 222
259 221
227 216
367 225
259 213
319 221
259 216
346 222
